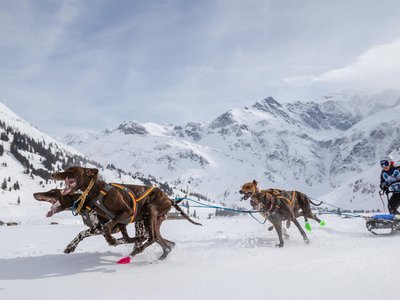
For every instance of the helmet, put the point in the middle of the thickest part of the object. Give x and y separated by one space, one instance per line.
386 161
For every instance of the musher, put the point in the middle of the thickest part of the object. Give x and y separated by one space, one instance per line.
389 175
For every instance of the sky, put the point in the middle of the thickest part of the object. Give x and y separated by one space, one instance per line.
70 66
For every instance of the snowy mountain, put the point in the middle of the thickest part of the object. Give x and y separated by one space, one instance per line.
330 146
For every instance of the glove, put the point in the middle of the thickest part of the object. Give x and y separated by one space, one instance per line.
383 186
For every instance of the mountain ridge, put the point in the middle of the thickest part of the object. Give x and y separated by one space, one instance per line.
310 146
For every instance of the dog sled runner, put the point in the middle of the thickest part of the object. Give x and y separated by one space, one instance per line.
384 224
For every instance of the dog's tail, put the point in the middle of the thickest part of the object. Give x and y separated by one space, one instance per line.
315 204
178 208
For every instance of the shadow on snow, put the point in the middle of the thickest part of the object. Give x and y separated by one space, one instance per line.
47 266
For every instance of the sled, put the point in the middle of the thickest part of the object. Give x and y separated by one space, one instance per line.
384 224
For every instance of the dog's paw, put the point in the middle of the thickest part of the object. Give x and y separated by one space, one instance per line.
307 226
112 242
69 250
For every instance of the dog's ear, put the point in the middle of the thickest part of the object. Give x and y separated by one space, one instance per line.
91 172
255 183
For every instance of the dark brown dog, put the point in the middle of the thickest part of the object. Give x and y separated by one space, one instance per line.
62 202
57 199
153 206
273 206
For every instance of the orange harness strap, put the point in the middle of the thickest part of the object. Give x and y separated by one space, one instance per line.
133 198
292 202
287 200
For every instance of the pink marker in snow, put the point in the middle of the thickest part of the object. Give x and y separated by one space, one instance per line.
124 260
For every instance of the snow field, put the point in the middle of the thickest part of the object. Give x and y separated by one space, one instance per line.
227 258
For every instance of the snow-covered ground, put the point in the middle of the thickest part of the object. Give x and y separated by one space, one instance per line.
227 258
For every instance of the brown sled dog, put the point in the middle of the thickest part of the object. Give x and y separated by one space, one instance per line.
299 202
122 204
278 206
62 202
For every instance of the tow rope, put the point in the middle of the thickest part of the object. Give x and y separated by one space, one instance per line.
339 213
202 205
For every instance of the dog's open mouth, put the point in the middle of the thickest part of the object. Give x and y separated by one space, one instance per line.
245 196
56 204
70 184
55 208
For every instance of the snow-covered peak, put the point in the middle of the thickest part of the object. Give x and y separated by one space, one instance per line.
224 120
132 127
274 108
268 104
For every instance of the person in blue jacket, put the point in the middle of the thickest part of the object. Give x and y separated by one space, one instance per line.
390 183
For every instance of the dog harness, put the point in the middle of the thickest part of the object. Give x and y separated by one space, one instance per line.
87 211
89 217
98 202
288 201
82 198
279 199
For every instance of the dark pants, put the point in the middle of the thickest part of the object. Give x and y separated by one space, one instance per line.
394 203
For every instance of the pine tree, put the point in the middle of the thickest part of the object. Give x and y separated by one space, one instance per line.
16 186
4 137
1 149
4 184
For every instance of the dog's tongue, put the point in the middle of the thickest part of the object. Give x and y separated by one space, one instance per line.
54 208
55 205
124 260
67 188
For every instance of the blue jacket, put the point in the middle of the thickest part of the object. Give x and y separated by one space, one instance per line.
387 177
